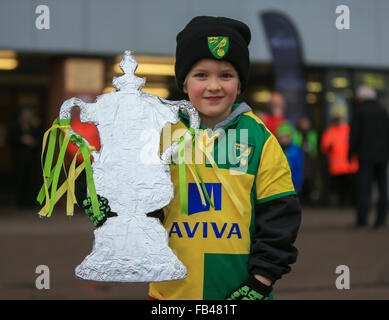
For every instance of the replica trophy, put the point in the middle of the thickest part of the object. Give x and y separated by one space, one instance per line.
136 180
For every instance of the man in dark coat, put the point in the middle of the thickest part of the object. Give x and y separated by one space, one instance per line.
369 140
23 138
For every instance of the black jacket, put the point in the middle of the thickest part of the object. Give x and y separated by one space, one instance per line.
276 226
369 133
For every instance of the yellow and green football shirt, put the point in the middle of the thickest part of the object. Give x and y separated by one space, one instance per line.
214 242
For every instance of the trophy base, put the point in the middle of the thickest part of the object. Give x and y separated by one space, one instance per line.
131 250
130 271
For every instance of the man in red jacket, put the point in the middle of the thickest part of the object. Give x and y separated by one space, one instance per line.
276 117
335 145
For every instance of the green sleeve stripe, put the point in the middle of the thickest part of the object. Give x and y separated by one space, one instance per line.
276 196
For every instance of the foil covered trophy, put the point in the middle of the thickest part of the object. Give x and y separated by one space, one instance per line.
131 247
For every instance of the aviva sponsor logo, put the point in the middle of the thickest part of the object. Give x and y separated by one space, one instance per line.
214 191
204 229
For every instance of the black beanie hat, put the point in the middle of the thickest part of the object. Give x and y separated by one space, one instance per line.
216 38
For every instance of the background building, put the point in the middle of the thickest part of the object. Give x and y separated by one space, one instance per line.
53 50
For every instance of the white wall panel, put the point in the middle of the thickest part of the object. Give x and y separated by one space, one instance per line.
150 26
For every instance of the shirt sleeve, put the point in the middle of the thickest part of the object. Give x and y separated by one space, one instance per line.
277 215
274 179
276 226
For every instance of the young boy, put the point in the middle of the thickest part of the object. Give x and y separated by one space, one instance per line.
228 255
238 245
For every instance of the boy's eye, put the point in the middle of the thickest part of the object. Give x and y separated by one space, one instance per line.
200 75
227 75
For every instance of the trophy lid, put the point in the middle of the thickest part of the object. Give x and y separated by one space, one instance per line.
129 81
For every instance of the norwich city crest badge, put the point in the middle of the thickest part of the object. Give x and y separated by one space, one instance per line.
218 46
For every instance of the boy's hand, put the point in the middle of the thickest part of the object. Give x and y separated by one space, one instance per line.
105 211
251 289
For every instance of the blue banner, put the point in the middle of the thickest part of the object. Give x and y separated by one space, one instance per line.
288 64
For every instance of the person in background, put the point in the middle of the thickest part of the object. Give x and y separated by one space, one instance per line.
335 145
369 141
276 116
293 153
306 138
23 138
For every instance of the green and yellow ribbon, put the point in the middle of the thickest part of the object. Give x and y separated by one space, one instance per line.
206 150
195 173
182 175
51 174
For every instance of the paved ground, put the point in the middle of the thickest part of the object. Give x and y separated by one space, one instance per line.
61 243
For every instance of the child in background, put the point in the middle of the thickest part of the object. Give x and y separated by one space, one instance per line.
293 153
305 137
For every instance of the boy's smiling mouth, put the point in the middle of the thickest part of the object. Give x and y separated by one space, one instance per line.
213 98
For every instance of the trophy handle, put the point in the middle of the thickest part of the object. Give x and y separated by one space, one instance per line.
194 122
65 113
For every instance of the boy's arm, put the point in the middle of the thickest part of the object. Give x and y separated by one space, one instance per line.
80 189
276 224
277 215
262 279
81 196
84 202
277 220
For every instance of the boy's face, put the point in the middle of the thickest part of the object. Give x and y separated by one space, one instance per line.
212 87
